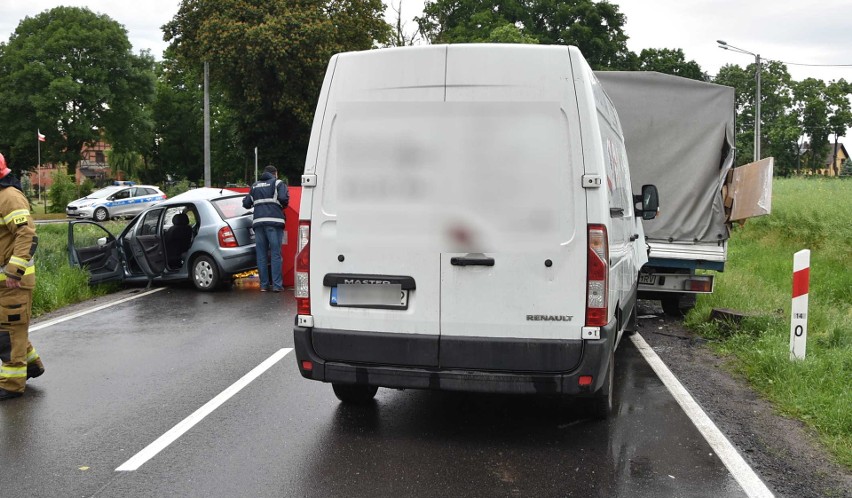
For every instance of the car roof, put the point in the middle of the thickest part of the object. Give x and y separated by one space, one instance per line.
203 193
111 188
115 188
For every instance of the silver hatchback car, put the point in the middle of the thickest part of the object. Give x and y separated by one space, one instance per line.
203 236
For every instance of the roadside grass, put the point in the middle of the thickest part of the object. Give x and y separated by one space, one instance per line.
813 214
57 284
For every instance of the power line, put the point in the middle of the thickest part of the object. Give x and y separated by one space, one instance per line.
812 65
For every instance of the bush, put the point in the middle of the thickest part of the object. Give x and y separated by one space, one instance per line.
27 186
177 188
61 192
86 188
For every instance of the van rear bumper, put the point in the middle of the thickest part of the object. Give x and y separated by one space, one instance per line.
594 361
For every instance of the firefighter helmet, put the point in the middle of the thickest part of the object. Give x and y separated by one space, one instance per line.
3 169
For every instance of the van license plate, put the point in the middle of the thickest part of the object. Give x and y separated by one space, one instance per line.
647 278
369 296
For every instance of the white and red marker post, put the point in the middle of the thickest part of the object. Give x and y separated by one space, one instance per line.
799 312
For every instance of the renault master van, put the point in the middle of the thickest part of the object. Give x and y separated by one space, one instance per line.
466 223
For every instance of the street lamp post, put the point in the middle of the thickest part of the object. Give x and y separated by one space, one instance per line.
726 46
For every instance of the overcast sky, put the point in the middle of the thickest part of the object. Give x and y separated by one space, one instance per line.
786 30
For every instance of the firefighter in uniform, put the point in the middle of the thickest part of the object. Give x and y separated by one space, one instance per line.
18 242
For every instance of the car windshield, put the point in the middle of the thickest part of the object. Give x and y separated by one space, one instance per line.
102 193
230 207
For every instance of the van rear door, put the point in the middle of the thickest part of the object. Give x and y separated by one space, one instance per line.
374 270
513 279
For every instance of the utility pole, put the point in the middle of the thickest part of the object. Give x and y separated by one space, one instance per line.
207 124
726 46
757 111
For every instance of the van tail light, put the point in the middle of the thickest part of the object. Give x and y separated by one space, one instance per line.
226 238
303 268
597 276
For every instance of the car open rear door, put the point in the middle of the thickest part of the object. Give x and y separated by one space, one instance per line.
146 242
94 248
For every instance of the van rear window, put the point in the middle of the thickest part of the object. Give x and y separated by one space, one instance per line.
230 207
451 176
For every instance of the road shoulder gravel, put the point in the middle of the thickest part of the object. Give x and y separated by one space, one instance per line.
784 452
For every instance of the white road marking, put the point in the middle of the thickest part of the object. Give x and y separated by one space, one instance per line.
91 310
745 475
186 424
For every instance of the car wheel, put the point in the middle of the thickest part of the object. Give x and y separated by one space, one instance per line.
205 273
600 406
356 394
100 214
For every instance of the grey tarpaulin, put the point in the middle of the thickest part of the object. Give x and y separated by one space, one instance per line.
679 136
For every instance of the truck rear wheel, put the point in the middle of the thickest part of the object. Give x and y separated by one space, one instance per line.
678 305
356 394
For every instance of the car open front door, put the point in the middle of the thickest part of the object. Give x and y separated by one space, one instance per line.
94 248
146 243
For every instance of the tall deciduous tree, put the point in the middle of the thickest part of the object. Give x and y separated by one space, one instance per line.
837 95
269 57
670 61
178 146
595 27
812 107
401 35
70 73
780 127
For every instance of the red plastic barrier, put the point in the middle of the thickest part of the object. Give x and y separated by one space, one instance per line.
291 232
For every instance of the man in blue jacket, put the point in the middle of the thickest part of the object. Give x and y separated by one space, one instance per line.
269 196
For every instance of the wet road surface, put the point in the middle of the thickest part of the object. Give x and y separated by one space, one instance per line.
120 378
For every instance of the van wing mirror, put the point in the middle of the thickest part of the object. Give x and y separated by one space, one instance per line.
650 201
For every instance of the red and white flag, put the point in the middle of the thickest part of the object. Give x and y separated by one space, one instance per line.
40 136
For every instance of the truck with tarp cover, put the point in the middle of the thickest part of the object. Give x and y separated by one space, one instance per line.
679 135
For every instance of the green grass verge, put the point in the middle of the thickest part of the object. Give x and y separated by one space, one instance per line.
813 214
57 284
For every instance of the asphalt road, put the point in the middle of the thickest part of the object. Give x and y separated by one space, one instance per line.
120 378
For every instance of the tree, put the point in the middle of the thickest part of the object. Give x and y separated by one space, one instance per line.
670 61
847 168
70 73
268 58
179 128
400 36
595 27
811 106
840 114
780 129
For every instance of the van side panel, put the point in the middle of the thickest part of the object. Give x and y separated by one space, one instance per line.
610 205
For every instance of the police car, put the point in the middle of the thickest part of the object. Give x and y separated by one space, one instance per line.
115 201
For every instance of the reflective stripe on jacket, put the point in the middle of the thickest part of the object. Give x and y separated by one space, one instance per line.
18 240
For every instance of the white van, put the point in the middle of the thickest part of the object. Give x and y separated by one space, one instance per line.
466 224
